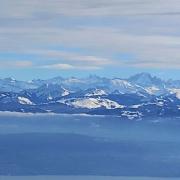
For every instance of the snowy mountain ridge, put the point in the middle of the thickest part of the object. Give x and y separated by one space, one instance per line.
138 96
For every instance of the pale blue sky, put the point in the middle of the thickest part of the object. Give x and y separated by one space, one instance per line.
46 38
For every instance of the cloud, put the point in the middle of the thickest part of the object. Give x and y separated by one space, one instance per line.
103 41
16 64
147 30
50 8
68 67
71 57
58 66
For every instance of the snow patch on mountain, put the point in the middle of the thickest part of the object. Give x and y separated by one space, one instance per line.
136 106
175 91
131 115
2 95
122 86
65 93
96 92
122 83
23 100
92 103
50 98
152 90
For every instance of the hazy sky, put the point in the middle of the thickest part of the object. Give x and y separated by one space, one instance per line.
45 38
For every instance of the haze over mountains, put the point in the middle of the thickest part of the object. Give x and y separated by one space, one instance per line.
141 95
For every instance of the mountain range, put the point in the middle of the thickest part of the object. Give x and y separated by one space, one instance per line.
141 95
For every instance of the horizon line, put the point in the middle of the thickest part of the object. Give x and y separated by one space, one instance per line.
91 75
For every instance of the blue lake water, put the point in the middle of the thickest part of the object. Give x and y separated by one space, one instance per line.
88 145
82 178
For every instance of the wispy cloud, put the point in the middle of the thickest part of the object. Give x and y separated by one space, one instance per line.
148 30
58 66
16 64
73 58
51 8
68 67
58 59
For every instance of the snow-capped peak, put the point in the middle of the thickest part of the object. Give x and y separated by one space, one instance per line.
146 80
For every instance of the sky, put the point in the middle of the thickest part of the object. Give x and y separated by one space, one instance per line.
111 38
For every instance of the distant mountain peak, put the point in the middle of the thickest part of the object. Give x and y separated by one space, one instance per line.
10 79
142 75
145 79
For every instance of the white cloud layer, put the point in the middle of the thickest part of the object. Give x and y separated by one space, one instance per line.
26 8
146 30
68 67
16 64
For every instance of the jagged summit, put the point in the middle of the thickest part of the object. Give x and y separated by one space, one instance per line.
145 79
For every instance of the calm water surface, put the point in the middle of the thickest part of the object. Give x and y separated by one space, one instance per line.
88 145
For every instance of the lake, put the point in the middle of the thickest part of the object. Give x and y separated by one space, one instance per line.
81 178
49 145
